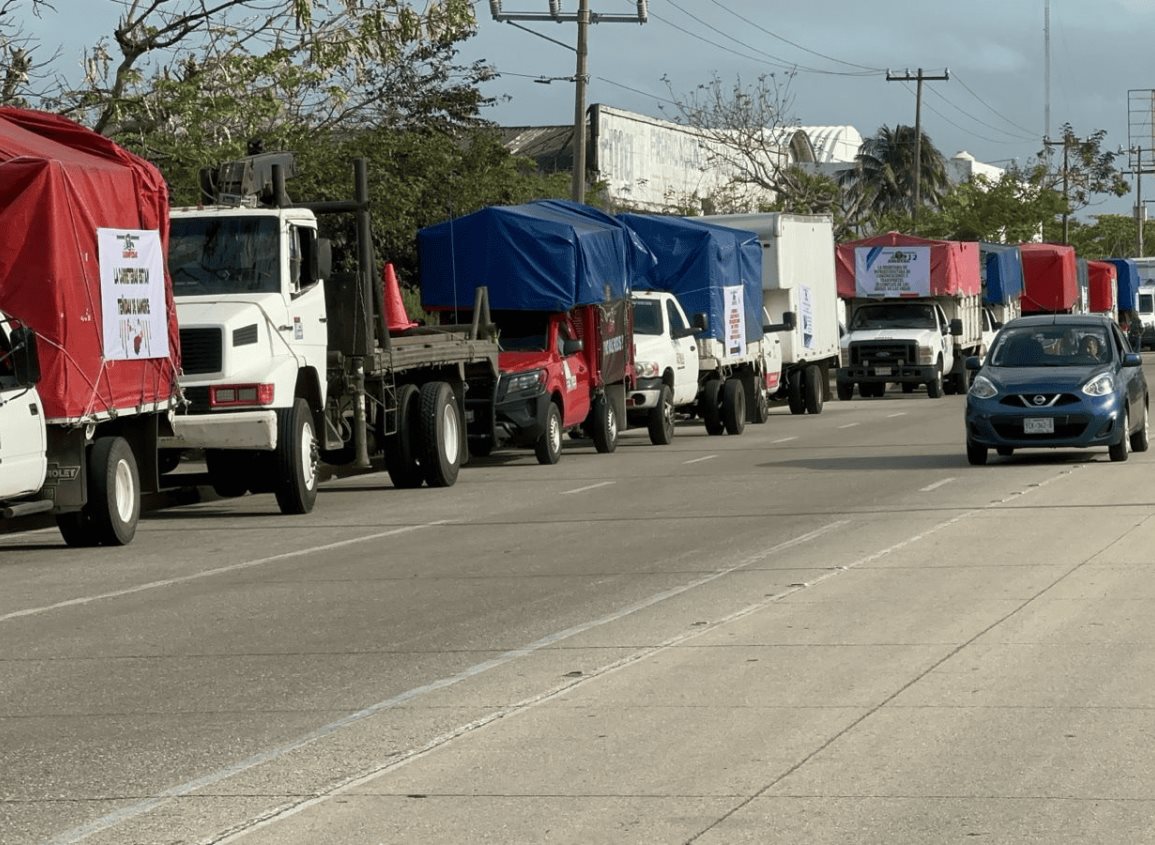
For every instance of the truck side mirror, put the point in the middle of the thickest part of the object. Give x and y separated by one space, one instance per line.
324 259
789 322
956 327
702 322
25 357
572 347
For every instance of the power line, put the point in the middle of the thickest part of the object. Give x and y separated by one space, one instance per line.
970 132
992 109
965 113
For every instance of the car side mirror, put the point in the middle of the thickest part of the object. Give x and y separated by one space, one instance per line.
25 357
1132 359
956 327
572 347
973 362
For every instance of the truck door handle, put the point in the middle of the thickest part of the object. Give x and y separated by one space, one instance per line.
284 328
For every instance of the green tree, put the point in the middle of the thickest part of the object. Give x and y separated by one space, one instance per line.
1010 210
1079 169
1108 236
883 176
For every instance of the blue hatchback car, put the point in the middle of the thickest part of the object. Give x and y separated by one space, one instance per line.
1057 381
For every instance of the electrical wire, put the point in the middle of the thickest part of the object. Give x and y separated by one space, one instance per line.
971 132
967 88
1018 136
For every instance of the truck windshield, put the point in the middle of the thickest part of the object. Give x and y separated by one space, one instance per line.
1146 303
522 331
647 317
894 317
223 255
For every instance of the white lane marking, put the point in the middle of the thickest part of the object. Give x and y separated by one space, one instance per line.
587 487
849 425
783 439
699 460
935 486
78 834
208 573
899 414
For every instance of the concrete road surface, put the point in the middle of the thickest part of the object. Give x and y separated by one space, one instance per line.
830 629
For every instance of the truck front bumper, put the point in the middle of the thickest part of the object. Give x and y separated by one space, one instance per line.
236 430
522 421
909 373
644 395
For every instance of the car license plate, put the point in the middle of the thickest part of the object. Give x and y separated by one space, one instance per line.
1038 425
884 371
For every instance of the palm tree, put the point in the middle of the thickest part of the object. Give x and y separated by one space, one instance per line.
882 178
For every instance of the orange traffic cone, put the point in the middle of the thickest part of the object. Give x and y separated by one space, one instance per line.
398 319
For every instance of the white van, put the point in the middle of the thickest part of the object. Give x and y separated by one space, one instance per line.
1147 314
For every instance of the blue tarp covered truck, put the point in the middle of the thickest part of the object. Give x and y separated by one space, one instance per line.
559 276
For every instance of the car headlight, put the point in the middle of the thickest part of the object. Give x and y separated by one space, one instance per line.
522 382
983 388
646 369
1100 385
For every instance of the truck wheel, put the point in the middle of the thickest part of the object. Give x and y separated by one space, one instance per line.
401 461
661 418
605 424
228 472
812 392
710 406
760 413
845 390
794 397
733 406
934 386
295 459
548 446
962 381
440 434
113 509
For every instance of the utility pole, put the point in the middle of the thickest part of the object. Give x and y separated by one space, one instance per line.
1046 68
1066 144
920 77
583 18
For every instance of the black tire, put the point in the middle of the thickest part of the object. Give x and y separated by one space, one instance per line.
962 381
1005 451
760 412
441 424
934 388
734 406
710 406
1120 451
76 529
794 391
112 512
813 389
907 387
1139 440
845 390
660 420
548 446
976 454
604 424
402 460
295 459
229 472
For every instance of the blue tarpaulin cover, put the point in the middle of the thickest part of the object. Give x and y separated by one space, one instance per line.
550 255
1128 283
1002 267
696 261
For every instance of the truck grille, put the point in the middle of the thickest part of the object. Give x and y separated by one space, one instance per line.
884 353
201 350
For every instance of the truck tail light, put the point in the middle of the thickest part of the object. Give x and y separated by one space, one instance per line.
234 395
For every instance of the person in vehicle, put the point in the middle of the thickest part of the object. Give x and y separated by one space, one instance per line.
1091 347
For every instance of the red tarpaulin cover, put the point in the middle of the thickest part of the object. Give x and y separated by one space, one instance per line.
1050 278
954 265
59 183
1101 279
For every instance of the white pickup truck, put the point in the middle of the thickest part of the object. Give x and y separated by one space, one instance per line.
665 363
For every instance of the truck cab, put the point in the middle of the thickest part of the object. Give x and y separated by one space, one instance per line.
23 433
1147 314
905 341
665 363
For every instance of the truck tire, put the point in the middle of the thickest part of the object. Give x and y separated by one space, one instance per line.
112 512
661 418
548 446
760 413
962 381
934 386
812 389
733 406
295 459
794 392
401 455
229 472
440 453
710 406
604 426
845 390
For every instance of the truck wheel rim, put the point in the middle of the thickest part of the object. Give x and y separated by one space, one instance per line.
124 492
554 435
668 414
450 434
308 456
611 423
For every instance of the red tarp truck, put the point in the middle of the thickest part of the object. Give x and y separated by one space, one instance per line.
914 314
88 327
1102 279
1050 278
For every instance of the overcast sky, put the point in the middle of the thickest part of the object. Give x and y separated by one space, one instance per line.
992 107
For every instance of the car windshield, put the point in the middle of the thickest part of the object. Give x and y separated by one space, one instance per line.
647 317
223 255
1051 346
896 316
522 331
